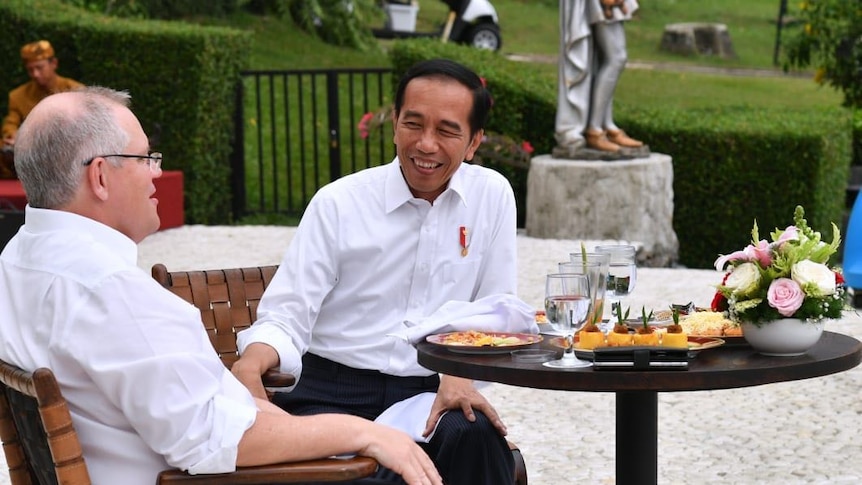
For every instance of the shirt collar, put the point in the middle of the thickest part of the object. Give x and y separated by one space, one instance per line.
398 193
48 220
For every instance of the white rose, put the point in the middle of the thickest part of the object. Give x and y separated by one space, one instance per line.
814 275
744 279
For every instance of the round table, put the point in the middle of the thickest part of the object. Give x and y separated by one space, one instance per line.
734 364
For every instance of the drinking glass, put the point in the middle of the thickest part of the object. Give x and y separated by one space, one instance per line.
567 307
622 271
596 267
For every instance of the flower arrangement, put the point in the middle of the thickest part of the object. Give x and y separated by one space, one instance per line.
788 277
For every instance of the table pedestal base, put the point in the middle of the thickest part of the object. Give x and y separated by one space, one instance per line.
637 437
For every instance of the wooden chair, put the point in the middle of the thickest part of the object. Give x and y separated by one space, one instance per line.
39 440
42 447
228 299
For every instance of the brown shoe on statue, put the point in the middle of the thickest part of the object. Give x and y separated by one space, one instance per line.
597 140
620 138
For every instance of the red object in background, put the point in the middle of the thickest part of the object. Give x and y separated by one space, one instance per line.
169 191
12 195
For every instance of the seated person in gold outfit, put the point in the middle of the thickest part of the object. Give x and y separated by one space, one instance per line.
41 66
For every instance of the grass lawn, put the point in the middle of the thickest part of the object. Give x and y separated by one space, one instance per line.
278 44
531 26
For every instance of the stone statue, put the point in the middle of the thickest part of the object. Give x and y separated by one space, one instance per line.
592 58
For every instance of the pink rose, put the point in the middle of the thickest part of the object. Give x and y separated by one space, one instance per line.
722 261
785 295
789 234
761 253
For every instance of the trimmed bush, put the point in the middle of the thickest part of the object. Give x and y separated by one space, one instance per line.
731 165
182 79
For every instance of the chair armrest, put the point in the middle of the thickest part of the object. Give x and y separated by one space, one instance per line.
274 378
325 470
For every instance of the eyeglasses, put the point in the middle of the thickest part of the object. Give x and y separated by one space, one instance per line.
154 159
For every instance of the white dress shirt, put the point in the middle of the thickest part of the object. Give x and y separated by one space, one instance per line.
145 388
369 259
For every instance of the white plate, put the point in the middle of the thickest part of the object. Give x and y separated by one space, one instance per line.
523 340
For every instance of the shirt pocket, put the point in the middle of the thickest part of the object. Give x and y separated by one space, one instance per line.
459 279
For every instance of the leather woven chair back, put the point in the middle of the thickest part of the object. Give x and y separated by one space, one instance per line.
227 299
39 439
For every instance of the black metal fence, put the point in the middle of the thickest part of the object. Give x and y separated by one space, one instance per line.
298 130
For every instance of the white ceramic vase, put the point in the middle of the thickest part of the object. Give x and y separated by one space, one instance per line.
785 337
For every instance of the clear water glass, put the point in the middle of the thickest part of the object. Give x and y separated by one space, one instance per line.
567 308
622 271
596 267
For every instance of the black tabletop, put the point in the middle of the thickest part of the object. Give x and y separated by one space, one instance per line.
729 366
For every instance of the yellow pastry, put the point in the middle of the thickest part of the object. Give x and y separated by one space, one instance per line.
679 340
590 340
645 338
619 339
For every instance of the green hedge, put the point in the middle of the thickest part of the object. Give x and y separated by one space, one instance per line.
731 165
181 77
735 165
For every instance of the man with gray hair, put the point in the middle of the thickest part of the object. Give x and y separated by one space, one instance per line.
145 388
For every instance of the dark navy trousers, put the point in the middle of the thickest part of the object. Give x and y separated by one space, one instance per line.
465 453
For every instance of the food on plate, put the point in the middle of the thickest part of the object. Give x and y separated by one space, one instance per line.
541 318
663 315
590 337
641 337
709 324
674 335
473 338
645 334
619 336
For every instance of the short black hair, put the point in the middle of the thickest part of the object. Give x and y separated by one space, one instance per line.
453 70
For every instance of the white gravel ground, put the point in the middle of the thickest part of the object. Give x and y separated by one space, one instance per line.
788 433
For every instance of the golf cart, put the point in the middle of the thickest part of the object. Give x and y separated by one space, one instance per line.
471 22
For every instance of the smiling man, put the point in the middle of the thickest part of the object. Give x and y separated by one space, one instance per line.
382 249
41 66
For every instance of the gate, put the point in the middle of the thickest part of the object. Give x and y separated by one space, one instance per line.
296 131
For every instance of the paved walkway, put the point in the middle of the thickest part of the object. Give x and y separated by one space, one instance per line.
788 433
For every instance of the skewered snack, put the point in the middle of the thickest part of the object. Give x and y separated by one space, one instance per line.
645 335
619 336
591 337
675 336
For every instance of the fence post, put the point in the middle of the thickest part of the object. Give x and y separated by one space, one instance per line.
782 11
237 155
332 109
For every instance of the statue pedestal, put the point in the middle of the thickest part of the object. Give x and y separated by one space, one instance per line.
630 200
